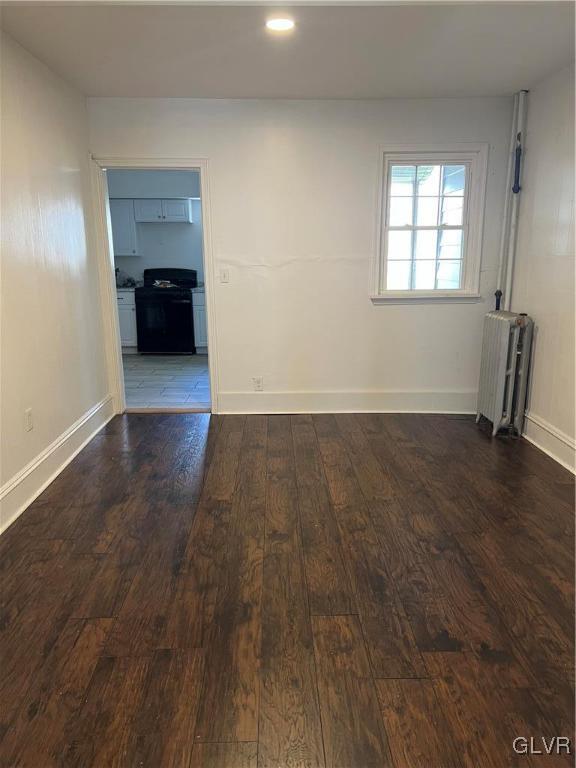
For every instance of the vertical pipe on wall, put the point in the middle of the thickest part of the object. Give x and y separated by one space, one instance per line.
506 215
511 249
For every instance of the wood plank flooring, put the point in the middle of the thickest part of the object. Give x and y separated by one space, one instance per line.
328 591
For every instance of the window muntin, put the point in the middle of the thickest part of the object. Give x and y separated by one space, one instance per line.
425 225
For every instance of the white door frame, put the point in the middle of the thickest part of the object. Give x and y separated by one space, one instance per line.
109 301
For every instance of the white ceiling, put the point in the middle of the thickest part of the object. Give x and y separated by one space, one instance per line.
334 52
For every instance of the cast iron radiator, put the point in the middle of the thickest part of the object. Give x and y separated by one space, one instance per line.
504 370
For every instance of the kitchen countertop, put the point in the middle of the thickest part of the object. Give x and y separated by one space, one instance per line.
199 289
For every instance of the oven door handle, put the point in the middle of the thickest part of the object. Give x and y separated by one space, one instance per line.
181 301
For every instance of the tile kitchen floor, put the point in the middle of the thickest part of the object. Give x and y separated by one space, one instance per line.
166 381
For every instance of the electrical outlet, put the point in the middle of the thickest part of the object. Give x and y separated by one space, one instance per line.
28 422
258 383
224 275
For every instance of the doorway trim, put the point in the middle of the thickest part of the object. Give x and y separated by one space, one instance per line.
103 236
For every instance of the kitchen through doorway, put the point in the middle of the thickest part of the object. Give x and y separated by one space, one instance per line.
157 241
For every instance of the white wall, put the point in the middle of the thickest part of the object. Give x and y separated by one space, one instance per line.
544 269
52 341
153 183
293 205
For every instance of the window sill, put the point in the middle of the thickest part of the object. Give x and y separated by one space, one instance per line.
426 297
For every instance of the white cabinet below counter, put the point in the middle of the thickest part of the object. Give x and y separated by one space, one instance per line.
127 317
199 314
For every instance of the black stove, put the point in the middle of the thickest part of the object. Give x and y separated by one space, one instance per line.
164 316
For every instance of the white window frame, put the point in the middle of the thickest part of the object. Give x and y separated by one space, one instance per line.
475 157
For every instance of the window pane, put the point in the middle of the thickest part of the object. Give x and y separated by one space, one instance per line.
398 277
424 224
426 244
453 180
449 274
424 274
450 244
399 245
452 210
427 213
400 211
402 180
428 179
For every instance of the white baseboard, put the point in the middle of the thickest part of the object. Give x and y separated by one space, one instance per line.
361 401
21 490
557 444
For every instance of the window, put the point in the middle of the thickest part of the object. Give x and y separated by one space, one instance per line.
431 222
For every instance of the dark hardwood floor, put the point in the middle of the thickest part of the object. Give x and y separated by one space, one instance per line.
348 591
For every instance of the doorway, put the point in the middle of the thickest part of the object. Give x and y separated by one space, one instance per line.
157 253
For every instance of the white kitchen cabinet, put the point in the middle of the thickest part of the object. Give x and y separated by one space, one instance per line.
163 211
128 335
199 314
124 238
177 211
127 318
200 333
148 210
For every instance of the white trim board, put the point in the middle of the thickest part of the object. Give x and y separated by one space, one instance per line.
352 401
21 490
552 441
107 285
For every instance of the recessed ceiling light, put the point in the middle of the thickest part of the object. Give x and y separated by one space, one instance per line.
280 25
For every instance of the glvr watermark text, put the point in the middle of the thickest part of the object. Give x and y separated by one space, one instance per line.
540 745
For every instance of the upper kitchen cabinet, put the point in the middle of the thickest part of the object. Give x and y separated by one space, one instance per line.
123 227
165 210
148 210
177 210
